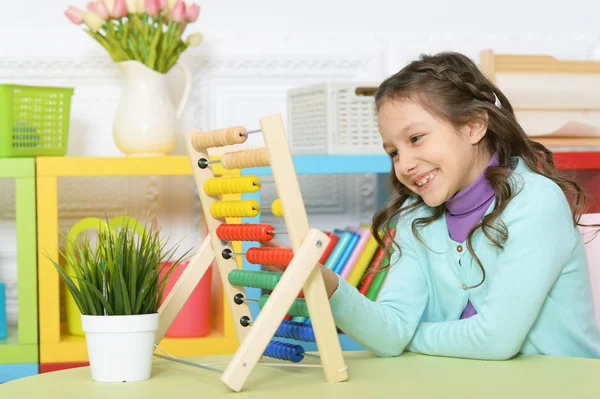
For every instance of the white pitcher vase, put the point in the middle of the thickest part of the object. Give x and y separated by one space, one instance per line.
146 121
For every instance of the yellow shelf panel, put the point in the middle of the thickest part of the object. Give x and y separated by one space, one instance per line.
172 165
211 344
72 348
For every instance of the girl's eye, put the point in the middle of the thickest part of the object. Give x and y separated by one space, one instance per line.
393 154
414 139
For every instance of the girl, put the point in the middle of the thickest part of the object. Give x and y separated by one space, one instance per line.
489 260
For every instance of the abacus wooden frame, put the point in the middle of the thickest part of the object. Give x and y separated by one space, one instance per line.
303 272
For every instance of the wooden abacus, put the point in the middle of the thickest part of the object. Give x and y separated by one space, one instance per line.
301 275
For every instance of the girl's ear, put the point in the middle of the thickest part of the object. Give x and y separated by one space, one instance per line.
477 127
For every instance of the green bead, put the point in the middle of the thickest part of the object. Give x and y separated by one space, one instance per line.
298 308
255 279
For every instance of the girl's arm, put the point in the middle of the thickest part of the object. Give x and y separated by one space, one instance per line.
384 327
541 238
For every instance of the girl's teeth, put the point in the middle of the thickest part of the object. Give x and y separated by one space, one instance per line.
425 180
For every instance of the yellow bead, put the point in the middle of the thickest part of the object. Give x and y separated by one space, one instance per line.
276 208
240 208
232 185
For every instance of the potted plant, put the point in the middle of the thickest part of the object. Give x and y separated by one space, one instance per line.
118 286
145 40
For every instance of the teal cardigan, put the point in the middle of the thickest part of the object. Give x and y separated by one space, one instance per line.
536 298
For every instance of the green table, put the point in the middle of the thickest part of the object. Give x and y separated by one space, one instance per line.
407 376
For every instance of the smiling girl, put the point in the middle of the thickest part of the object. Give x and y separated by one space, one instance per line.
489 260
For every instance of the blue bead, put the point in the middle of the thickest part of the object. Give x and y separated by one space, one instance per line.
285 351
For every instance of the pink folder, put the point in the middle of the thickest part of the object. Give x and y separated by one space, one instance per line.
365 234
592 248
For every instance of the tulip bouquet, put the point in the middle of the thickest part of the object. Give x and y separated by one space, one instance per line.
148 31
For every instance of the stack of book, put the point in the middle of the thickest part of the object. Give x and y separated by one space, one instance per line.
354 254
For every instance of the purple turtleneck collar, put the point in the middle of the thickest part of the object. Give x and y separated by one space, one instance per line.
468 206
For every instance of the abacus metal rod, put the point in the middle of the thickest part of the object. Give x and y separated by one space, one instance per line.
174 359
250 132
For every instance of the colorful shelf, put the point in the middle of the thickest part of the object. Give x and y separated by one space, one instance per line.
56 344
22 353
19 350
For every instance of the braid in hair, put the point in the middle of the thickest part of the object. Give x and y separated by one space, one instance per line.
464 81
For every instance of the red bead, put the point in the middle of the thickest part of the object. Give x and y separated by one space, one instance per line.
245 232
270 256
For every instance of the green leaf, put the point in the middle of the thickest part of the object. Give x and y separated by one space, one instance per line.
99 296
121 275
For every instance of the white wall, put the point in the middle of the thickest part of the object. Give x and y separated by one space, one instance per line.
254 51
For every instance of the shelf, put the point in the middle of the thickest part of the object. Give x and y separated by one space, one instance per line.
17 167
578 142
21 344
381 164
9 372
13 352
332 164
72 348
577 160
172 165
180 165
58 347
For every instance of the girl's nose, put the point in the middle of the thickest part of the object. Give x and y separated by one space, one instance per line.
407 164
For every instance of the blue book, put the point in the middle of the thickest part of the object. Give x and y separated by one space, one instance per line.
347 252
2 310
339 249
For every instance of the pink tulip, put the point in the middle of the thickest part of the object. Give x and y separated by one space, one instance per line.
152 7
178 13
120 9
192 13
75 15
101 9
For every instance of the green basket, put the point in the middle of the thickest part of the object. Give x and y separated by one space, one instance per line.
34 120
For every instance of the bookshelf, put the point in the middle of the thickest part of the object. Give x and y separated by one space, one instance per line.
19 350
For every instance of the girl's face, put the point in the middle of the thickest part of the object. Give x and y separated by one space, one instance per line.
430 156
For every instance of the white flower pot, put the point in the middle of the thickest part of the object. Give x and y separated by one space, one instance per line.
120 348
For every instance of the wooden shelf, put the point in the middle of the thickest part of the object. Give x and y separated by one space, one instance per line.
569 142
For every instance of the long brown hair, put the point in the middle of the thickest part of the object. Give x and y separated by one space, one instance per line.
451 86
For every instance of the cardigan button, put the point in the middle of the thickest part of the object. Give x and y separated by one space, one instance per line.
465 286
459 248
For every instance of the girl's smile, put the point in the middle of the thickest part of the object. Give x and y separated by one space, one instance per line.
424 181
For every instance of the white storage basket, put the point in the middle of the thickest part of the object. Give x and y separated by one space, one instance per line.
333 118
